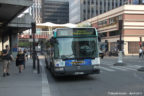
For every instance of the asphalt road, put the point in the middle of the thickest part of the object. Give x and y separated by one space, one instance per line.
112 81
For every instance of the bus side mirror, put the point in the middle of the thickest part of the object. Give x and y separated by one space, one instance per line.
99 38
53 41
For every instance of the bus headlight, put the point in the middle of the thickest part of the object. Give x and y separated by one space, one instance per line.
59 69
96 61
96 67
59 63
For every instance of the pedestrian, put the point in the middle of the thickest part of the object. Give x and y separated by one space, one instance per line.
140 52
20 59
7 57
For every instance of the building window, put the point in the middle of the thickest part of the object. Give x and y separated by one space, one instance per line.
100 3
96 2
92 12
120 17
108 5
101 11
114 33
84 2
92 2
100 23
112 20
120 3
116 4
103 34
88 2
112 4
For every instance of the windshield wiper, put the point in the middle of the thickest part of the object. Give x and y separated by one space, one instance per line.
85 57
67 56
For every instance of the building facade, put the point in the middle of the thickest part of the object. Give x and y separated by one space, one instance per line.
55 11
80 10
35 11
132 27
10 24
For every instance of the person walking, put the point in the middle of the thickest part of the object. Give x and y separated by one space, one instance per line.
140 52
26 54
6 56
20 59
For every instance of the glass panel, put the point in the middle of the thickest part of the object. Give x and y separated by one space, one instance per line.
76 32
78 48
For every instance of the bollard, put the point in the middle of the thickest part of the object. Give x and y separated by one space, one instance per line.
38 66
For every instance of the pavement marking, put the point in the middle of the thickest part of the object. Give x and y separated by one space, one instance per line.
129 68
133 67
137 66
35 71
136 76
126 68
45 84
107 69
119 68
122 68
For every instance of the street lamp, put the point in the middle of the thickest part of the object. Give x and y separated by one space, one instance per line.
30 46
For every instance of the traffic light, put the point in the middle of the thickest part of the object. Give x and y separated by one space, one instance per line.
120 24
119 44
36 43
33 25
118 41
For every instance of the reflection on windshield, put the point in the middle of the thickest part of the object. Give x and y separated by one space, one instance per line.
79 48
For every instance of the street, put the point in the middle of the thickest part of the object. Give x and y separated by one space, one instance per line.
112 81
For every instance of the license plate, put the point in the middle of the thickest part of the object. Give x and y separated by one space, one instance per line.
77 62
79 73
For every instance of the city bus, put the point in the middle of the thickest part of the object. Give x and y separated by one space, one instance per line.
73 51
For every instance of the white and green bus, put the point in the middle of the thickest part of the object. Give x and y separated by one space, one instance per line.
74 51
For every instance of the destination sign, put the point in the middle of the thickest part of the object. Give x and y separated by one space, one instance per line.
76 32
81 32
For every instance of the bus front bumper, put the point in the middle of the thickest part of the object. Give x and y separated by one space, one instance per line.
76 70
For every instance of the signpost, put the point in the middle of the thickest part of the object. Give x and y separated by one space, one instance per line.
120 43
34 52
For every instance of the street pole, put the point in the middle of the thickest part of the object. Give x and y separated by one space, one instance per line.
120 43
33 35
30 47
140 43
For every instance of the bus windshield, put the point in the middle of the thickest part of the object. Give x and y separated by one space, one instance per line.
76 48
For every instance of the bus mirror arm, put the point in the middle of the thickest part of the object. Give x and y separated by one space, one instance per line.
53 40
99 38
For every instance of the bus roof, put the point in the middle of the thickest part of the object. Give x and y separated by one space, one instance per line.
75 28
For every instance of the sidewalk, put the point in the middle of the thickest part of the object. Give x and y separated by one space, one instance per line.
27 83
